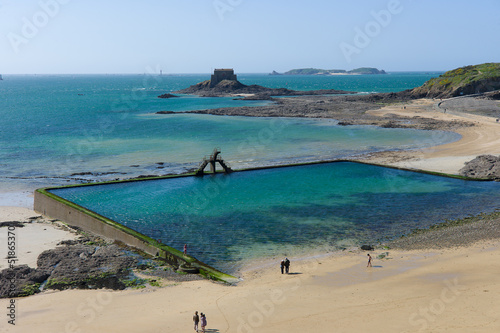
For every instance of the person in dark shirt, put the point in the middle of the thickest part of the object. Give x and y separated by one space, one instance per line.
196 320
287 265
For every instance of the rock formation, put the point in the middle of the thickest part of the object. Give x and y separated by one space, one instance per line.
234 87
484 167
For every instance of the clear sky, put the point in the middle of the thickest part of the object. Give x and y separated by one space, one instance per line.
194 36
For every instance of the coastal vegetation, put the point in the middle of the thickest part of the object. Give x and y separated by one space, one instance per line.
462 81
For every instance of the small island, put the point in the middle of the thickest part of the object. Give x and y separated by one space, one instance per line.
224 83
317 71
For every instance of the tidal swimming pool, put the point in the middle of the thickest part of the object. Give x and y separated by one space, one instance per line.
229 219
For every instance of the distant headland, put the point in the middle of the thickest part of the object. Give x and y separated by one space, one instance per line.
317 71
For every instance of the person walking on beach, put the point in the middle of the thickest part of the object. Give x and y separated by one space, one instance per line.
203 322
196 320
287 265
369 261
282 266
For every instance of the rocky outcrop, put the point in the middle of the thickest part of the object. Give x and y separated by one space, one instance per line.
167 96
461 82
484 167
493 95
233 87
77 264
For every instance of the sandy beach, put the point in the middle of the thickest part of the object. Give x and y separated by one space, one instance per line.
413 291
448 289
482 138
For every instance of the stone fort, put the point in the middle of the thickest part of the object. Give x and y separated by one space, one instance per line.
221 74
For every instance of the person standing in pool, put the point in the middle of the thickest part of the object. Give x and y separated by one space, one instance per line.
287 265
196 320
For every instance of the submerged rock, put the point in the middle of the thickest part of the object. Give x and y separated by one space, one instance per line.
167 96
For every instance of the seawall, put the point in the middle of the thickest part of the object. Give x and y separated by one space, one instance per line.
55 207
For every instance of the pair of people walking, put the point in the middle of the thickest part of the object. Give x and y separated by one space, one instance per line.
197 319
285 265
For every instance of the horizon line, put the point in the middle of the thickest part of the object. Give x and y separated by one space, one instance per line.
208 73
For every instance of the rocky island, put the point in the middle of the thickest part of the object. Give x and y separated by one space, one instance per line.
482 81
223 83
317 71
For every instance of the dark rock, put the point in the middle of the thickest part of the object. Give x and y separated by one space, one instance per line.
165 112
15 224
167 96
82 174
484 167
232 87
21 281
86 267
68 242
367 248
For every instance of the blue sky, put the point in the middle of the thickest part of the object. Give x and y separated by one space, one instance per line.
194 36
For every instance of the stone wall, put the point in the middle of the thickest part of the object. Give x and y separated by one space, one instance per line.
220 75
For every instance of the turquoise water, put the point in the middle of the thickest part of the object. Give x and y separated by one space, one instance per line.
57 129
229 219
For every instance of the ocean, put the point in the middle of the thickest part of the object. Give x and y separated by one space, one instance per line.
61 129
67 129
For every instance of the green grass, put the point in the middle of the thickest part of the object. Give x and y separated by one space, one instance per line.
466 75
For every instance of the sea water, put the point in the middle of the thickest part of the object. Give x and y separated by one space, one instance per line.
58 129
227 220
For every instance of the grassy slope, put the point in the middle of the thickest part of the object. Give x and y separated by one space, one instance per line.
463 77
